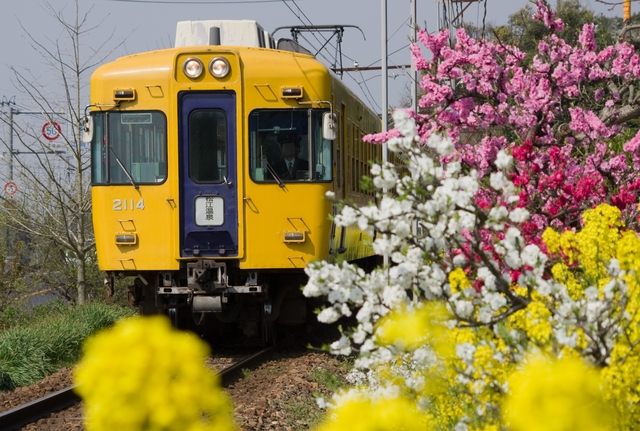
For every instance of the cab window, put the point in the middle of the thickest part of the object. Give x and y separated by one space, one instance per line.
129 147
286 145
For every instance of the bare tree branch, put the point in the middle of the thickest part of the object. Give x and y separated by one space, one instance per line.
53 205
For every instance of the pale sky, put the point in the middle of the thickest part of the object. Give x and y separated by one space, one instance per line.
148 24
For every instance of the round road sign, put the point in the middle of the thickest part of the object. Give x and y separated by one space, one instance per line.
51 130
11 188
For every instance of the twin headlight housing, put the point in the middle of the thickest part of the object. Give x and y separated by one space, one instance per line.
193 67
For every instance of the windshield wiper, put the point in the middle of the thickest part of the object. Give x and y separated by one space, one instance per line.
273 174
123 168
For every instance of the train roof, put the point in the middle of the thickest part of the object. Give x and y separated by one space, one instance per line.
231 33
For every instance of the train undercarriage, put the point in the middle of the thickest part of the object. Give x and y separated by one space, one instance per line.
217 300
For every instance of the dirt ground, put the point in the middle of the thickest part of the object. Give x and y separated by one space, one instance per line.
279 395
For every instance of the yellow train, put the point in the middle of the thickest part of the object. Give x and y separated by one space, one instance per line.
192 194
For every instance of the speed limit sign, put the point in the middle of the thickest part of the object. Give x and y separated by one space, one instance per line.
11 188
51 130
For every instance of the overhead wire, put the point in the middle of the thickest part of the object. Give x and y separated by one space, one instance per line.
366 90
304 23
199 2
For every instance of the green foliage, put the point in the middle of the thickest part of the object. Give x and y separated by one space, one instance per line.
305 412
327 379
19 314
306 415
53 340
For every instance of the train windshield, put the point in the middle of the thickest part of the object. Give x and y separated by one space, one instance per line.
129 148
286 145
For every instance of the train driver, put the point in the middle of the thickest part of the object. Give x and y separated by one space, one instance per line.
291 167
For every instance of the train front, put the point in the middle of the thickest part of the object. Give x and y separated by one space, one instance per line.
197 195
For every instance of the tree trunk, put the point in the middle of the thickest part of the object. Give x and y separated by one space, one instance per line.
80 281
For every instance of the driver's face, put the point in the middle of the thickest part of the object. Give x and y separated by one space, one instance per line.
288 150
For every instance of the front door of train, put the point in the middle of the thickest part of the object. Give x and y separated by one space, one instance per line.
208 177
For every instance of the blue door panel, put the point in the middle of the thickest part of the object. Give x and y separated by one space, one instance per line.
208 193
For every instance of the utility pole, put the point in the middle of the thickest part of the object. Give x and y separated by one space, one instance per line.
626 10
385 78
385 98
450 13
414 72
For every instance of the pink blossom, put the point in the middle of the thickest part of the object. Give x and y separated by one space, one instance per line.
418 59
434 43
380 138
633 145
547 17
587 37
598 94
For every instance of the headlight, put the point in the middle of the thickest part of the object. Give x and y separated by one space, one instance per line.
219 67
193 68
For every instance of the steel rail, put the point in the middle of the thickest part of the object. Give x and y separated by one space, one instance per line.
38 408
34 410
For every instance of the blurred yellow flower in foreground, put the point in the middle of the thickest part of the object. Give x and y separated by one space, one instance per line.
144 375
556 395
409 329
363 414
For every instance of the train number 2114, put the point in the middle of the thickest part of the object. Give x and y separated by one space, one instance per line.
127 205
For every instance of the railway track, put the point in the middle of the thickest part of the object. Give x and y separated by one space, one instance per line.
31 412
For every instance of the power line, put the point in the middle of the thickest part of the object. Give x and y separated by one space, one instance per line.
366 92
363 85
359 69
200 1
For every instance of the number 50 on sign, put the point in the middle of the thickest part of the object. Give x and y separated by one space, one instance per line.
51 130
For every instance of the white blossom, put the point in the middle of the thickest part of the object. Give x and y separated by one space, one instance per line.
503 160
464 308
533 256
485 314
341 347
444 146
329 315
465 351
519 215
495 300
459 260
497 180
591 293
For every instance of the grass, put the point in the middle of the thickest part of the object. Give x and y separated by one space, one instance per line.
306 414
52 341
327 379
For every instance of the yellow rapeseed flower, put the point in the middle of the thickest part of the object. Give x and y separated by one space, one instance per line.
410 329
142 375
569 246
458 280
556 395
552 240
363 414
